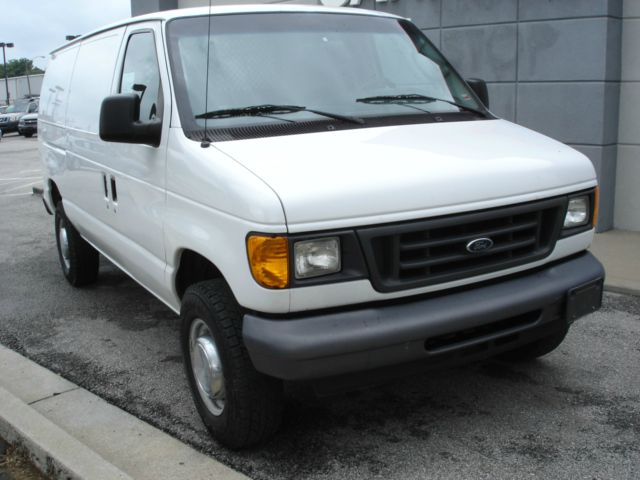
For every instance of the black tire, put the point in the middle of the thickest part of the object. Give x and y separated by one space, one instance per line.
83 261
28 135
536 349
253 401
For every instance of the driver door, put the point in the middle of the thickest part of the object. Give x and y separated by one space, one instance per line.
135 180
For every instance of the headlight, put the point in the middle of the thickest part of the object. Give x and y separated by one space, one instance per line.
313 258
577 212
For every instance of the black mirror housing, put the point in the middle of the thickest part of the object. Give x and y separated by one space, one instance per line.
479 87
119 121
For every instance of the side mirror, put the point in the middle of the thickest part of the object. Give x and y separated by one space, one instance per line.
120 121
479 87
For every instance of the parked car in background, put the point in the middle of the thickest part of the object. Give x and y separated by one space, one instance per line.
3 109
10 119
28 125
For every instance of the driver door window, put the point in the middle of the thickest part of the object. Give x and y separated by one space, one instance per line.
141 75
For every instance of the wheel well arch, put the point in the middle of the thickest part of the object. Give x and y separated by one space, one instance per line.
194 268
54 193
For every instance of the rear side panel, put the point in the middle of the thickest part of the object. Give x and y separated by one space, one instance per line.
81 182
54 96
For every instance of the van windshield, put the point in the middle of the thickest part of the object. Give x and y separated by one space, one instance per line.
274 68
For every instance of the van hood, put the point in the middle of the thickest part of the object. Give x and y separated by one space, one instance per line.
374 175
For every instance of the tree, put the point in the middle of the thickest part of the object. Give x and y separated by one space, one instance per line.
18 68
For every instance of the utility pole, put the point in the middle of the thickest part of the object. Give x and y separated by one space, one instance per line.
30 62
4 60
28 81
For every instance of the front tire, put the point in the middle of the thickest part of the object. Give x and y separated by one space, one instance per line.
79 260
240 406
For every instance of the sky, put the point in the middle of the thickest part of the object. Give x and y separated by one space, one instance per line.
38 26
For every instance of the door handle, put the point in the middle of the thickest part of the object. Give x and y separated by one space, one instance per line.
106 190
114 191
110 191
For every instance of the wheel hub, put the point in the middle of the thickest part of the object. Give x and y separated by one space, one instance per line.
63 238
206 366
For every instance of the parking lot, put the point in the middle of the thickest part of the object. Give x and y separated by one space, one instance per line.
574 414
19 173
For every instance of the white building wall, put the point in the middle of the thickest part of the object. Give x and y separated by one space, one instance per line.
19 87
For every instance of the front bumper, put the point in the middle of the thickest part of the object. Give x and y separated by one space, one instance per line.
440 330
8 127
27 129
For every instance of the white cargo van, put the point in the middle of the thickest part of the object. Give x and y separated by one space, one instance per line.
318 194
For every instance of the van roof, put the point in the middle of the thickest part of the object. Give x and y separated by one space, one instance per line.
223 10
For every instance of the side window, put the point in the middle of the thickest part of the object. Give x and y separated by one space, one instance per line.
141 75
32 108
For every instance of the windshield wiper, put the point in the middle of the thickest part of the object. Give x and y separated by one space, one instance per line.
410 98
269 110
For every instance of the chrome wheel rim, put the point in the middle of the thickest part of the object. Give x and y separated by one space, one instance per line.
206 367
63 239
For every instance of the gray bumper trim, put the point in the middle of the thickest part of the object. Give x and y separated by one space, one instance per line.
336 343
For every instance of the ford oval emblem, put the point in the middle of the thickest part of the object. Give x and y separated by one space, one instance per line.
478 245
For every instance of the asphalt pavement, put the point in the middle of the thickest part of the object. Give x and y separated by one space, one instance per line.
574 414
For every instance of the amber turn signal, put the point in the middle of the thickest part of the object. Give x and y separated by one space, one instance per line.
596 204
269 260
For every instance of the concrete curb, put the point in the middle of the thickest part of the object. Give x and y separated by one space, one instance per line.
50 448
623 290
71 433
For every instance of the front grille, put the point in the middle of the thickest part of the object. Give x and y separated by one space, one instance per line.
30 122
419 253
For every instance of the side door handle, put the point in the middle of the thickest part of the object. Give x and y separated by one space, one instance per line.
106 190
110 191
114 191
